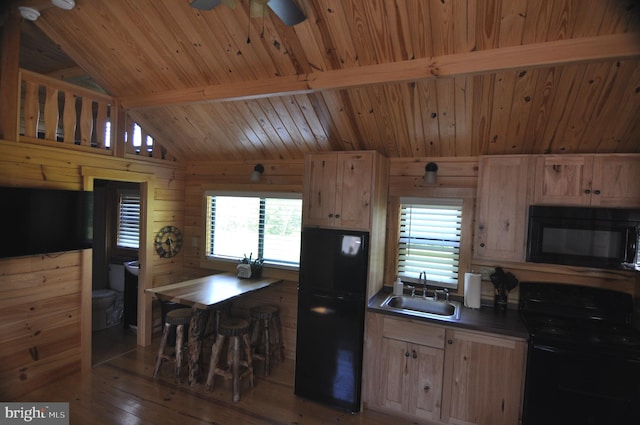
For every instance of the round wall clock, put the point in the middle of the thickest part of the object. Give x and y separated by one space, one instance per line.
168 241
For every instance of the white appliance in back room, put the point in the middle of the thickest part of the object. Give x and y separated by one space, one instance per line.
108 303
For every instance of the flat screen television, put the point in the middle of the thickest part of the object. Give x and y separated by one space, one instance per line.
39 221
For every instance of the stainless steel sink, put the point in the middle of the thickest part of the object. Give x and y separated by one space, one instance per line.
424 307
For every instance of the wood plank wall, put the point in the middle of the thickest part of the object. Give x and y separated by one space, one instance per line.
457 178
279 176
41 296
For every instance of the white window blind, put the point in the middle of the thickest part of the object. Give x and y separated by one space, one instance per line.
129 220
267 227
430 240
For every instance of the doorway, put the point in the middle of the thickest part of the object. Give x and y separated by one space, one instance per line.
114 282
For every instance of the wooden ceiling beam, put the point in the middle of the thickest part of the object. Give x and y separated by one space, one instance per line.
556 53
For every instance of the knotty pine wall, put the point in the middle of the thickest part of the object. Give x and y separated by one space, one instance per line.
279 176
40 296
43 322
457 178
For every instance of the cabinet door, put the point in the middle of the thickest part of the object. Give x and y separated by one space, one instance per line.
353 193
320 189
616 181
483 379
396 367
429 365
563 180
413 378
502 206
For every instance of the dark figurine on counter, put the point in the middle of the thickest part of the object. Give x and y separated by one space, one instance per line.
502 283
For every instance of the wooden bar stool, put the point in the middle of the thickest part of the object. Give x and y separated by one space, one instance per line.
178 318
237 331
217 314
266 335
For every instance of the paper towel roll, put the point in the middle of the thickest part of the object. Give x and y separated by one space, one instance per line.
472 289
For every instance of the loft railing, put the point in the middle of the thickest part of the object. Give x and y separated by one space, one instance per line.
56 113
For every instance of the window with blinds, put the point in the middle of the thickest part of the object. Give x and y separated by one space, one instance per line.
129 220
266 227
430 240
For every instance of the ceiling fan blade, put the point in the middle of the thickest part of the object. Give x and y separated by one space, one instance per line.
288 11
204 4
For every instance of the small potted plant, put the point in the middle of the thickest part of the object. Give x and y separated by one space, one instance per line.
254 266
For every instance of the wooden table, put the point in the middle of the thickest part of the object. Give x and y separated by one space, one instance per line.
203 294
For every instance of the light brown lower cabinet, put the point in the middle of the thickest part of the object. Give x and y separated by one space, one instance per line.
413 378
442 375
483 379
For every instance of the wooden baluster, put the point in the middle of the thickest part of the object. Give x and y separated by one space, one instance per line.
51 114
157 149
130 148
86 121
101 125
69 118
145 150
31 109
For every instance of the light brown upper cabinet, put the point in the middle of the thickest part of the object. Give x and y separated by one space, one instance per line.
504 185
343 189
609 180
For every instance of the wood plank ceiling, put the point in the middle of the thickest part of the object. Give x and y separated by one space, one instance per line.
139 49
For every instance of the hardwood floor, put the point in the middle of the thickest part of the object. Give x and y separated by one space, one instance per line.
123 391
111 342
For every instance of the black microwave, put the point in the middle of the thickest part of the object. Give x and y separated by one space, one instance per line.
582 236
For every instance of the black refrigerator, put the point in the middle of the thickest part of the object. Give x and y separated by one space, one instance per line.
331 309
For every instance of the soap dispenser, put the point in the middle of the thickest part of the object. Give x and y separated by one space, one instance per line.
398 287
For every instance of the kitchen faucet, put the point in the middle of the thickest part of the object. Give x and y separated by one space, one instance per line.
422 279
443 291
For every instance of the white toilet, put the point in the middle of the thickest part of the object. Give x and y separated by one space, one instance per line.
108 304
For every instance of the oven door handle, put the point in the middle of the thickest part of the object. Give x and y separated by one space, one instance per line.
550 349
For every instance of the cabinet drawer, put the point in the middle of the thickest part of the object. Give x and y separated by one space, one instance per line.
413 331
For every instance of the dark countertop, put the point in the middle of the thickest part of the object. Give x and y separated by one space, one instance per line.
484 319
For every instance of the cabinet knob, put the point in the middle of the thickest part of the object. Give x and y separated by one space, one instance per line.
482 245
406 354
587 191
597 192
331 215
427 388
415 355
449 341
337 215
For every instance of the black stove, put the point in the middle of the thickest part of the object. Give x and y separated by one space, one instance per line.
583 363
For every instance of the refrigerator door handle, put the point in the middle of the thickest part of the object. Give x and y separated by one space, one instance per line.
330 297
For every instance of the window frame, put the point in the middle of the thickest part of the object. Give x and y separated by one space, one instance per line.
120 193
462 261
262 195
